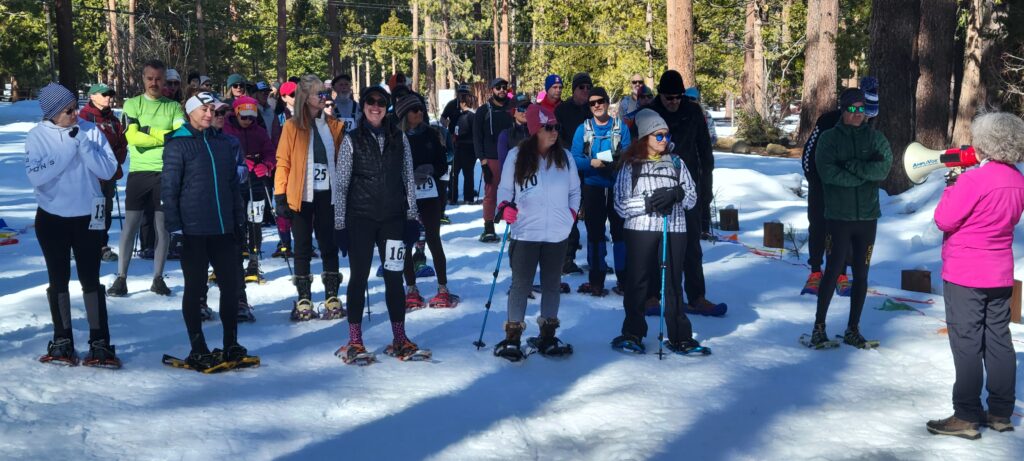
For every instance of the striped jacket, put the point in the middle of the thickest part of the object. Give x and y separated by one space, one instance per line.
630 199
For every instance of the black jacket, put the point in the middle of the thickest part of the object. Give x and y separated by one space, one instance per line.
427 149
377 190
570 117
199 183
488 122
691 141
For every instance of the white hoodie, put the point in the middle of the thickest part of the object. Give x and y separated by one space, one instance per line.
65 171
543 201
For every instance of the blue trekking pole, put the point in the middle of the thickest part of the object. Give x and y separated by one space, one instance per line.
664 257
479 343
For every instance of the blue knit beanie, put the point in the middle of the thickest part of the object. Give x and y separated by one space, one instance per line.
53 98
551 81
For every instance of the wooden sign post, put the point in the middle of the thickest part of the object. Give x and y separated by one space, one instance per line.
916 280
774 235
729 219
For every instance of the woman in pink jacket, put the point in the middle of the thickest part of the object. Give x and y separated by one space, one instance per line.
978 214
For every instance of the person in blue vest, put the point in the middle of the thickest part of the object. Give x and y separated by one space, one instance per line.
596 146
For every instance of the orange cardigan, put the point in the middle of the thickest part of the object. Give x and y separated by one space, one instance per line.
292 153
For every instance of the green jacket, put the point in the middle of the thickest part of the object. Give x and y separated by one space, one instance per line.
852 161
148 121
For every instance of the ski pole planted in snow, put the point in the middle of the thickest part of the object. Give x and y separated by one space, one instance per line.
664 257
479 343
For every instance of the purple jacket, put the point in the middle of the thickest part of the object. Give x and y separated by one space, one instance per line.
978 214
260 155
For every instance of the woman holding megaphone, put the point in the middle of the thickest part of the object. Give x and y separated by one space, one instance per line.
978 213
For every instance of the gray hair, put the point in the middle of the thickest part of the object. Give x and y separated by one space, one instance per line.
999 136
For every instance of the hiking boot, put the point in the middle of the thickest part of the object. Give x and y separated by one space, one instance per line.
102 355
159 287
239 357
843 286
511 347
245 313
547 343
819 338
954 426
443 299
998 423
61 350
203 360
119 288
812 284
413 300
853 337
332 305
108 255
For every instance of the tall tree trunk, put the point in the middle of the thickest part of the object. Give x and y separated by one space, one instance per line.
478 49
446 47
117 74
333 38
974 88
67 62
415 46
649 44
820 71
753 81
786 35
431 71
357 86
504 60
935 47
366 60
495 36
130 68
679 19
200 35
892 60
233 14
282 40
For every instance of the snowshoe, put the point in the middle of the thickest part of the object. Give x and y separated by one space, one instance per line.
818 339
407 351
853 338
159 286
203 362
119 288
445 220
413 301
687 347
253 274
812 284
245 313
629 343
509 350
332 310
587 289
108 255
355 354
843 286
489 237
570 267
101 355
60 352
238 357
303 311
443 300
705 307
549 347
282 252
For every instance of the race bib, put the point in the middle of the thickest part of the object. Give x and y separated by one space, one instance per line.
99 213
256 211
528 185
426 190
320 181
605 156
350 123
394 255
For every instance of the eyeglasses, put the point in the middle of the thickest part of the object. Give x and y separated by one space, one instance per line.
249 118
584 87
324 95
220 113
662 137
676 97
549 128
598 102
637 82
855 109
501 87
238 85
379 102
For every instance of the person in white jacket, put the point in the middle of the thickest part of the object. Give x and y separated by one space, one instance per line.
66 158
539 193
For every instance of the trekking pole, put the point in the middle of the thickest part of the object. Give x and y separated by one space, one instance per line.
479 343
664 257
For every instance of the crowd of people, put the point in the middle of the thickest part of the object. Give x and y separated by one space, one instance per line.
377 173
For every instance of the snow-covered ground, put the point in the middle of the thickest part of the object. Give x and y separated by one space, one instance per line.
760 396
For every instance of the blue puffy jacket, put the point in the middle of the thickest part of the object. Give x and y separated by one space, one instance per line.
199 184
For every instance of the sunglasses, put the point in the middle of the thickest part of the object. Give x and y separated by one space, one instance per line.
662 137
220 113
677 97
238 85
598 102
549 128
855 109
249 118
324 95
501 87
637 82
379 102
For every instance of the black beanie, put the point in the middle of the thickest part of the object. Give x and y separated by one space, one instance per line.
851 96
671 83
375 89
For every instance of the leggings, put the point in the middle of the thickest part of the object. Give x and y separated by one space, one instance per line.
198 252
430 215
132 221
853 240
318 215
643 267
364 235
58 238
254 191
523 258
465 161
599 204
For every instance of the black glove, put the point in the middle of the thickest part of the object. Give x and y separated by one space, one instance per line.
951 177
281 206
486 171
342 241
411 233
665 198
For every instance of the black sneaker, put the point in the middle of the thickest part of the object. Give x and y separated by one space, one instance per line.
245 313
853 337
119 288
159 287
60 351
101 355
488 237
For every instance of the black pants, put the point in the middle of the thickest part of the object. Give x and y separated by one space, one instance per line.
979 335
430 215
643 259
108 193
198 252
600 205
365 235
853 240
254 191
693 264
816 229
58 237
318 215
705 195
465 162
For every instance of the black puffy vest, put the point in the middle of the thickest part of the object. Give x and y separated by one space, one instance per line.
377 190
